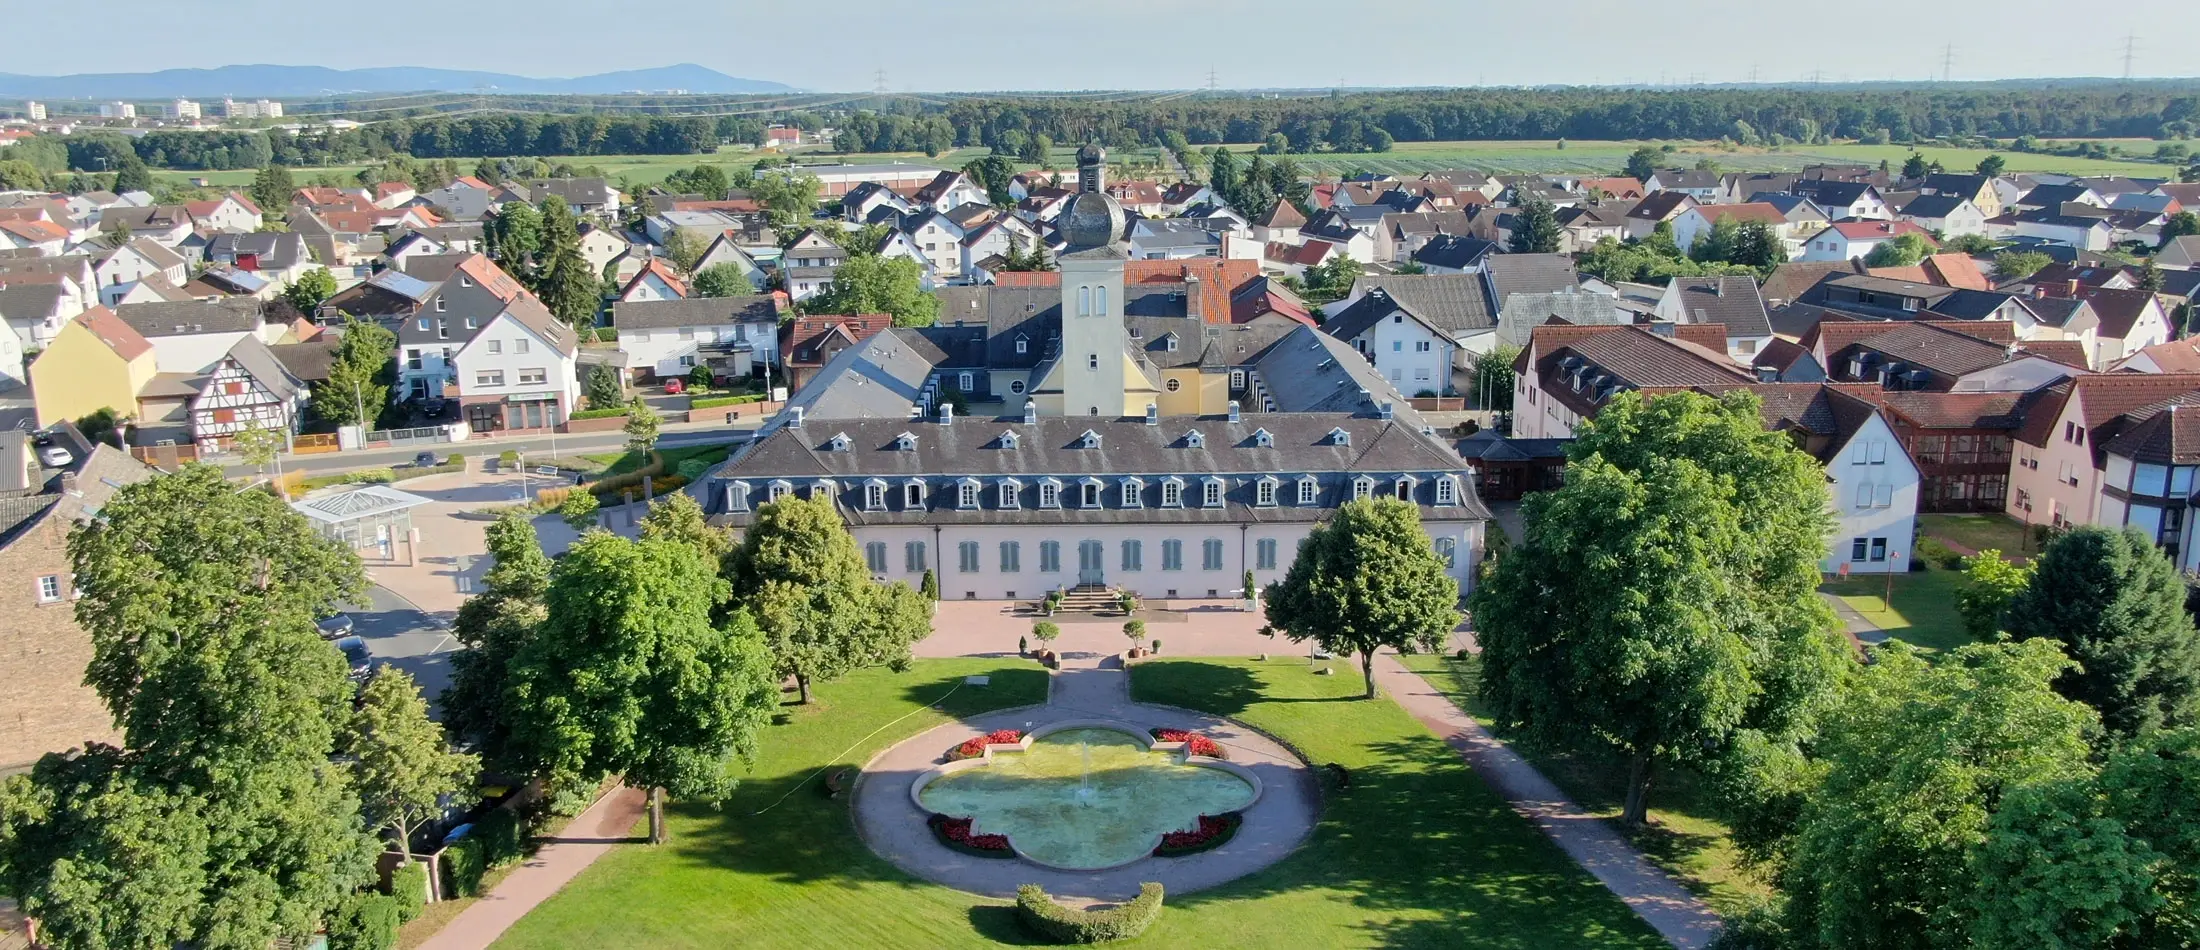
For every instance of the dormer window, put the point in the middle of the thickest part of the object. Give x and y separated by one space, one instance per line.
1195 440
1309 489
966 493
1263 440
1211 493
874 496
838 443
1363 488
780 489
737 496
1338 436
1134 493
1403 488
1090 440
1172 493
1008 440
1023 346
822 488
1447 490
1265 492
1050 494
905 442
1169 343
912 495
1090 490
1011 494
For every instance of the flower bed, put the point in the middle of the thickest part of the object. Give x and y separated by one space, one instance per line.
976 747
956 834
1213 830
1194 743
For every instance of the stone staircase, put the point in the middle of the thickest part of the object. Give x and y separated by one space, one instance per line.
1089 598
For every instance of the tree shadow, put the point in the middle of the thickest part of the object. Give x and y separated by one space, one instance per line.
999 923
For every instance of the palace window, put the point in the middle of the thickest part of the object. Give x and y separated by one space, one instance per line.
1309 490
1212 493
1172 555
1210 554
874 556
1012 557
912 557
1050 557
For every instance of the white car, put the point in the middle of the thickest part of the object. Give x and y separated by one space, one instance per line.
55 456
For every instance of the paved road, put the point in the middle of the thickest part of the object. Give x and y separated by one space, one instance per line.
402 635
530 445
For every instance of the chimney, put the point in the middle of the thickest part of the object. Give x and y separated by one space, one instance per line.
1191 298
68 485
794 417
1235 414
1031 413
947 413
2071 287
1153 414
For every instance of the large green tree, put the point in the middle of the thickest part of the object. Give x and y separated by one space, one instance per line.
1366 579
629 674
493 625
1534 229
201 602
103 858
2116 605
1914 761
872 284
310 289
1663 605
271 189
359 376
799 573
1904 250
515 236
789 197
722 280
400 762
1643 162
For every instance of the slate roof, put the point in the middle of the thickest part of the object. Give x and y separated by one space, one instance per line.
1832 194
23 300
2167 433
308 361
275 250
1788 281
1626 357
1928 410
1454 301
2052 196
1934 206
1311 371
2118 310
1371 309
1732 301
184 318
879 378
1456 251
1661 206
694 312
1511 274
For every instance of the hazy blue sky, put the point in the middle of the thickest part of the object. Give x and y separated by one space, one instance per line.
1149 44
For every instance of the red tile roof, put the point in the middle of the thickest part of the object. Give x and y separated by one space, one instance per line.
1628 188
809 332
119 336
2176 356
664 273
1877 230
490 277
1748 212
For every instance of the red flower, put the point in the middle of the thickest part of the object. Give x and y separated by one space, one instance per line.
1210 828
1194 743
976 747
957 831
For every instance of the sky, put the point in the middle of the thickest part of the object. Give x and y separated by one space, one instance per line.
976 45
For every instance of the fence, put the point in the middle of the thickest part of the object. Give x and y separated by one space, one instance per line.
408 436
166 456
314 444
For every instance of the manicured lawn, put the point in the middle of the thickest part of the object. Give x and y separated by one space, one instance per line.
620 463
1415 853
1686 835
1924 608
1978 532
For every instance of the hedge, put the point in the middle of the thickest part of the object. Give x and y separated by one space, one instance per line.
463 866
409 888
364 921
600 413
607 334
1055 923
416 472
715 402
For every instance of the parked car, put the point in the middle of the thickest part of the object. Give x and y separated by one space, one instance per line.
676 385
54 456
433 406
361 659
335 627
425 460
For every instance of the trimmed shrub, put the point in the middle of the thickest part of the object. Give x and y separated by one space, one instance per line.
503 838
976 747
508 457
607 334
463 866
1055 923
719 402
599 413
1933 552
363 921
667 484
455 460
693 469
409 888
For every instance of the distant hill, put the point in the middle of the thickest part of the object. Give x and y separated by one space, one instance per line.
305 82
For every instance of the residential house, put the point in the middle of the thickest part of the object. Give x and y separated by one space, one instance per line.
591 197
280 257
1976 189
600 246
465 198
230 212
1962 444
811 261
165 225
867 198
96 362
132 262
1659 207
474 291
1582 226
1454 254
1617 189
45 238
190 335
519 371
2130 321
1139 197
1508 274
1171 239
1181 196
1698 184
655 281
2176 356
1845 200
1873 484
1696 223
1567 373
813 340
1853 240
2060 471
1403 234
248 388
35 309
2081 231
1946 270
1278 224
726 248
1731 302
1581 307
2181 253
734 336
2053 197
1932 356
948 191
1417 354
388 298
1950 215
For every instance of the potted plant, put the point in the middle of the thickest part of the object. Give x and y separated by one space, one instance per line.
1023 646
1156 648
1135 631
1053 601
1045 632
929 586
1252 593
1128 602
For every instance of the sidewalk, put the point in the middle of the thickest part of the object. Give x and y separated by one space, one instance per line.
1667 907
606 824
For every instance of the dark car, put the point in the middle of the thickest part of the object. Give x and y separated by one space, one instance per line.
433 406
424 460
334 627
356 653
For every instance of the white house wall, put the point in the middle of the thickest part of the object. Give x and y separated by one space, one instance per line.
1885 518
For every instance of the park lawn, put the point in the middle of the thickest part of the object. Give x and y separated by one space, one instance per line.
1977 532
1923 612
620 463
1686 836
1416 853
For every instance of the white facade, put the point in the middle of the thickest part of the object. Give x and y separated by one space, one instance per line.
2155 499
940 241
651 286
506 358
673 351
117 110
1873 487
1409 353
183 109
1964 218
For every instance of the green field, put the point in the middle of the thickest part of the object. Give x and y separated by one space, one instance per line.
1606 158
1417 852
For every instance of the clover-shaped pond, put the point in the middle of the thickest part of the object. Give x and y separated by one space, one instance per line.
1086 798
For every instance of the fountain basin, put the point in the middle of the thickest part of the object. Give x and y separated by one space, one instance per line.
1085 796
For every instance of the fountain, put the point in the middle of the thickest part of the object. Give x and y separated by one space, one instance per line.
1086 797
